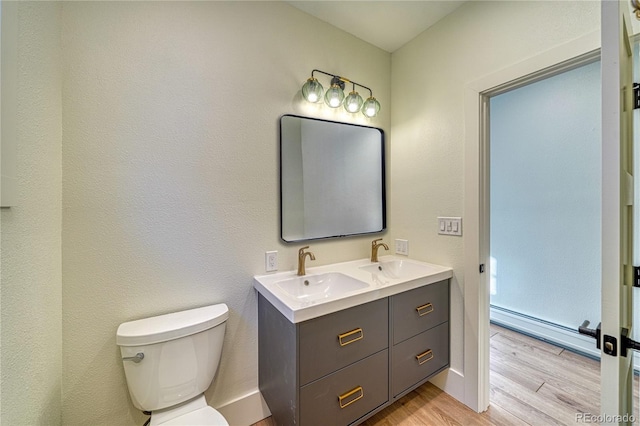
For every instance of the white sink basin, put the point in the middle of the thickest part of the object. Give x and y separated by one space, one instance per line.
399 269
331 288
322 286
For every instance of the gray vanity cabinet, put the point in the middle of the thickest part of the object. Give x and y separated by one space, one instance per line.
418 310
420 344
341 368
420 357
334 341
348 394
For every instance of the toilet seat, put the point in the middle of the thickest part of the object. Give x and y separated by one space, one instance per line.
206 416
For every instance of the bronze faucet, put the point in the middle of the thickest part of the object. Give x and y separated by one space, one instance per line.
374 249
302 255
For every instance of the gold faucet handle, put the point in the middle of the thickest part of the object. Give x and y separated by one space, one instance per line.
302 250
373 243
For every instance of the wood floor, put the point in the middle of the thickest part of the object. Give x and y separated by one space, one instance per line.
532 383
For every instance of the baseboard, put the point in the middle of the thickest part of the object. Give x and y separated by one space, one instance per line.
543 330
452 382
245 410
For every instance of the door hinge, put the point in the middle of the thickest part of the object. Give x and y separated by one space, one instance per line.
636 95
482 268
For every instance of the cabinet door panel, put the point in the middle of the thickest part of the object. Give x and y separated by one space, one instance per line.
418 310
348 394
417 358
334 341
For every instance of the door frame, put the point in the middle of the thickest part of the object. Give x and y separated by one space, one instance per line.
476 200
617 203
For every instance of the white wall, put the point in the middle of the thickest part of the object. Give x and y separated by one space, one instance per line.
429 75
170 173
31 230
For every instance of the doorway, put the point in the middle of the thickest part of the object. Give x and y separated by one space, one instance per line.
545 200
544 173
476 205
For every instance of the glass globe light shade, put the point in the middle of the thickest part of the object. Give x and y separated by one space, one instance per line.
312 90
334 96
371 107
353 102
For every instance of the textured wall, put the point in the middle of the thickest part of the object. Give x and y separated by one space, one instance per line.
31 230
170 173
427 144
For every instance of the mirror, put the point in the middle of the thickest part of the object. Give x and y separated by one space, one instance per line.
331 179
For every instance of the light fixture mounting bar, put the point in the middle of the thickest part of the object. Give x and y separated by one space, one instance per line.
343 79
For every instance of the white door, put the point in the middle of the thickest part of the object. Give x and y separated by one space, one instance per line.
617 196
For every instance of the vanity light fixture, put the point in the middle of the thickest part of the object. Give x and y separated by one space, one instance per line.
371 107
635 5
312 91
335 94
353 102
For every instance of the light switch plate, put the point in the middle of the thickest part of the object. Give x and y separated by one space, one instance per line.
450 225
402 247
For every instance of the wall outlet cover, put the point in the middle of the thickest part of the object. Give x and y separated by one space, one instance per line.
271 261
402 247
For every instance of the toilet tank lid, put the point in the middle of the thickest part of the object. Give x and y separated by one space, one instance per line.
161 328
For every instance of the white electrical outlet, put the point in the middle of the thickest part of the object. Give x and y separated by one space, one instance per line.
402 247
450 225
271 261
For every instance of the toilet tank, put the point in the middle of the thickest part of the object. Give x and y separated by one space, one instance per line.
181 355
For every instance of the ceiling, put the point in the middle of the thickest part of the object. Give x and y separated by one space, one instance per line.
385 24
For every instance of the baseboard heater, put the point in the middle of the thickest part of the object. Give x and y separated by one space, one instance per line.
559 335
556 334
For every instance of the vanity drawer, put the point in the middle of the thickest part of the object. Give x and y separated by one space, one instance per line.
420 309
348 394
419 357
334 341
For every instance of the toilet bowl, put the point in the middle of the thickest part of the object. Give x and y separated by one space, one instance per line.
191 413
170 360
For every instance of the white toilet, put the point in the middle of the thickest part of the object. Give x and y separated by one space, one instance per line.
170 360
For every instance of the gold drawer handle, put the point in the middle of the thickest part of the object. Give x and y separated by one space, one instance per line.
428 353
348 334
348 394
424 309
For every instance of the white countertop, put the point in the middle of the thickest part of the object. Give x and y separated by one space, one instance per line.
377 286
